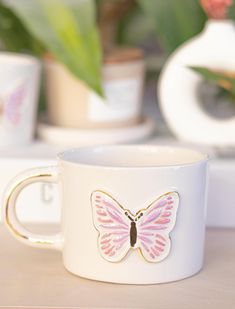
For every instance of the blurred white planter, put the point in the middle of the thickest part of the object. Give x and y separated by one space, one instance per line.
72 104
19 85
178 86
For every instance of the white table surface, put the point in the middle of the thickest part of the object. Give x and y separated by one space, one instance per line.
34 278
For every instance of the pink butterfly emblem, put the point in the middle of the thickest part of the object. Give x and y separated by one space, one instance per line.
148 230
13 103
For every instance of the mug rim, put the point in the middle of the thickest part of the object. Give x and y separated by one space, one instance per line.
63 156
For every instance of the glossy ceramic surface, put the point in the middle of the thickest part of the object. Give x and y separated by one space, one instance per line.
158 193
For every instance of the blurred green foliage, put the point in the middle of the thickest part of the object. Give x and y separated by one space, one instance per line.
222 79
14 36
174 21
232 11
67 29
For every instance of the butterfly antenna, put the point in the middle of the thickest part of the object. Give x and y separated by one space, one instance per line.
128 216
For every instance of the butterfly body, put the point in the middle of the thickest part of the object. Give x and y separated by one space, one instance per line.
133 228
120 230
133 234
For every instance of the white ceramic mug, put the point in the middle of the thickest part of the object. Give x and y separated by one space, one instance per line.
19 87
130 214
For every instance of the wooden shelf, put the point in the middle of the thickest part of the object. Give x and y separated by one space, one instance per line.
34 278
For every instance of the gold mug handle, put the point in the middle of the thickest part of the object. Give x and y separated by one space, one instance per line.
44 174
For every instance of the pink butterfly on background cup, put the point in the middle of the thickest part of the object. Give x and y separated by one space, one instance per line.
13 103
147 230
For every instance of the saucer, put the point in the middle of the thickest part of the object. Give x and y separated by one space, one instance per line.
70 137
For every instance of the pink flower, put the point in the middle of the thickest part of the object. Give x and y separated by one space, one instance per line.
216 9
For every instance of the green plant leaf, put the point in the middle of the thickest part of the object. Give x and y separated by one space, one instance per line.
231 11
175 21
14 36
225 80
67 28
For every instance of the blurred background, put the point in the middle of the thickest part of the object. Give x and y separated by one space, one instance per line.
83 72
112 51
98 41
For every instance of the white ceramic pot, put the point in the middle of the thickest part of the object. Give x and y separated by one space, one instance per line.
214 48
19 86
72 104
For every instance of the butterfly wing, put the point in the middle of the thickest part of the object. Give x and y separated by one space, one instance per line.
154 227
113 226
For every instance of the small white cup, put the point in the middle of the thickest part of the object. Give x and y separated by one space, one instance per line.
19 86
130 214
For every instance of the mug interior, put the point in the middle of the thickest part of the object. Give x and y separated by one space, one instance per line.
133 156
